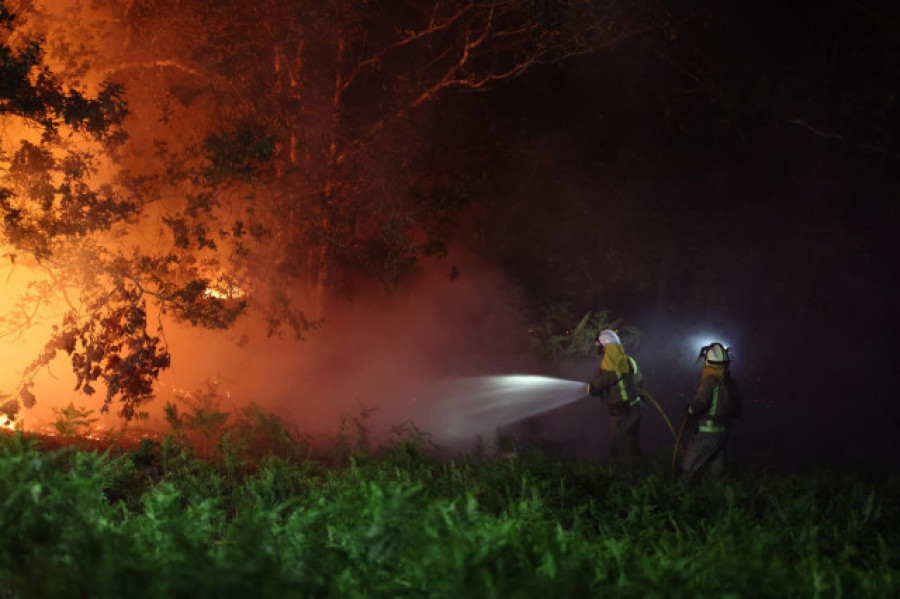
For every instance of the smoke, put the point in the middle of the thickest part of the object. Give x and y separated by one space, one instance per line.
382 356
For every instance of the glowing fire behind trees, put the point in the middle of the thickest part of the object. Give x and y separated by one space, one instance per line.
271 155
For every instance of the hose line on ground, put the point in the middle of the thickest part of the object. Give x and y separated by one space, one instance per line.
684 422
645 394
677 436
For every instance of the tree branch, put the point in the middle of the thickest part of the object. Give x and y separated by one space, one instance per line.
837 136
160 64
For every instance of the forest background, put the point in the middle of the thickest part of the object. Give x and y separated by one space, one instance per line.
317 207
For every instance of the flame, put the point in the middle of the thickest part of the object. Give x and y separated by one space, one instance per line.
222 290
32 301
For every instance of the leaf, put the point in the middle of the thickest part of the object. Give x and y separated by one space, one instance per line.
26 396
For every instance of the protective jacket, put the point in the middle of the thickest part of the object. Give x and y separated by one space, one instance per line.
617 381
717 400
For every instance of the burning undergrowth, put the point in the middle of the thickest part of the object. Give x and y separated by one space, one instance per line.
383 356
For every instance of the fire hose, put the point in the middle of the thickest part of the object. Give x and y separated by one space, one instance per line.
677 436
662 412
684 422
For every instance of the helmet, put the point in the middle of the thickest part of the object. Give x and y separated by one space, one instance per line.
715 353
606 337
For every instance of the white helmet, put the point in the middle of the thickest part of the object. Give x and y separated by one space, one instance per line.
606 337
716 354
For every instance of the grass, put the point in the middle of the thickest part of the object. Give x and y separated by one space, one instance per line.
261 514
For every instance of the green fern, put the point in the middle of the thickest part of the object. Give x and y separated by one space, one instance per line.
71 421
560 335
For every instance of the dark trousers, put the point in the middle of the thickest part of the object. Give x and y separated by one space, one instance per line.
625 434
705 451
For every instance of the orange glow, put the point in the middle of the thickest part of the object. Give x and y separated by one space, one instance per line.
222 290
374 353
26 318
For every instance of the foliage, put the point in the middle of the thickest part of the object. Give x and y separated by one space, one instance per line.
558 335
114 348
30 90
82 524
200 427
59 217
71 421
9 408
316 116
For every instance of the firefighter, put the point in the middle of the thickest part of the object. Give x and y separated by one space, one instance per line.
716 403
618 382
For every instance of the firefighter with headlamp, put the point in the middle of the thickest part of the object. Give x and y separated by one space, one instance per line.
716 403
618 382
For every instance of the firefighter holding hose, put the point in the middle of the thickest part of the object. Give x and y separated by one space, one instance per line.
618 382
716 403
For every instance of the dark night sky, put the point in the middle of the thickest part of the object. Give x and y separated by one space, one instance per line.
750 165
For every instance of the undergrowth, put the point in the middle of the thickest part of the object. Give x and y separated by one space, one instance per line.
248 509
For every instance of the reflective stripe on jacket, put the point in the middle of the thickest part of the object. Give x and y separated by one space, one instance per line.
716 402
617 389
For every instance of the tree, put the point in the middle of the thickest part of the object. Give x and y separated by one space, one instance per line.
49 208
58 220
336 87
291 147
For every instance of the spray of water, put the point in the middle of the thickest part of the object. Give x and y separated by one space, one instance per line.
474 407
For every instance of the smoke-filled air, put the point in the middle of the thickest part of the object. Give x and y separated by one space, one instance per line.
222 208
422 215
